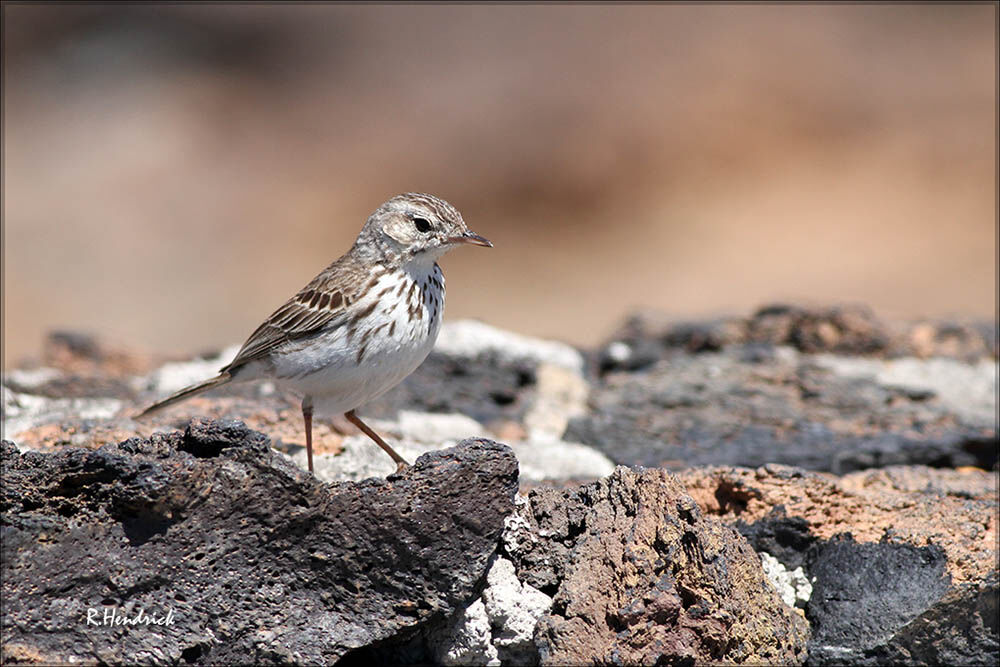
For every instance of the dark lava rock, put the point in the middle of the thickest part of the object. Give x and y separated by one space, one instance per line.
879 603
746 406
640 576
486 388
915 581
253 559
787 538
864 593
959 629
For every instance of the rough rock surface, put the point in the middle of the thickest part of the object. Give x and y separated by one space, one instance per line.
961 628
894 562
902 561
865 592
639 575
753 403
480 381
257 561
626 570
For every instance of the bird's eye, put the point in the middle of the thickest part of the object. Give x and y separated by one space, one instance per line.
422 224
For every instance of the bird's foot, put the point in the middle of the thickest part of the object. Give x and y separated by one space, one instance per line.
401 467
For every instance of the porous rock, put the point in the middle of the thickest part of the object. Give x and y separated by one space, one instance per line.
255 560
902 561
639 575
831 389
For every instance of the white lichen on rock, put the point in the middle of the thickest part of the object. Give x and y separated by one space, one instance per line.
31 378
433 427
498 627
516 529
618 351
793 586
468 641
513 609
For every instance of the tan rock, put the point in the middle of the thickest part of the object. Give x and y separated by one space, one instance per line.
956 510
641 576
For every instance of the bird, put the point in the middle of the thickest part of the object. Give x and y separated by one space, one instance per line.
362 325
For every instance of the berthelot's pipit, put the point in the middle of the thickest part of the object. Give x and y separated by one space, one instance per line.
363 324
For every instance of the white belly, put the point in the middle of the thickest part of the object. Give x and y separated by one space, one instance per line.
347 366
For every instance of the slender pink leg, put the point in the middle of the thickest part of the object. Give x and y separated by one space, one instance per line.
354 419
307 416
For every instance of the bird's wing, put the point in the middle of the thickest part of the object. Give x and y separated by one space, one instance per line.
317 306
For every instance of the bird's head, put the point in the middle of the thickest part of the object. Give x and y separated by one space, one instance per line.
417 227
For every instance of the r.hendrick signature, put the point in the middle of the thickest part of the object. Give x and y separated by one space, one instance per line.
111 616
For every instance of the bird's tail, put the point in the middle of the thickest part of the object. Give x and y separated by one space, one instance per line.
217 381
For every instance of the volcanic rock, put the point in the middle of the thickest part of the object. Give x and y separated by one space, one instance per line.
252 559
902 561
639 575
752 404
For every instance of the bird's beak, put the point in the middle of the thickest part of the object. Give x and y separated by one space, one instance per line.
470 238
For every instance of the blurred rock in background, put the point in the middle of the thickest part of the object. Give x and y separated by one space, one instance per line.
173 173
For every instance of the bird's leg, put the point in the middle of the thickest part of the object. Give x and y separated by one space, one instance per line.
400 461
307 417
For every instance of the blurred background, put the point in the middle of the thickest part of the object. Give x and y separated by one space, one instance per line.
172 173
